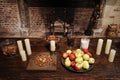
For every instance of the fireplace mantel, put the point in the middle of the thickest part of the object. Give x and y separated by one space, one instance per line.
63 3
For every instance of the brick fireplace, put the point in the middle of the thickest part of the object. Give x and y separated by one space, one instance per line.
40 15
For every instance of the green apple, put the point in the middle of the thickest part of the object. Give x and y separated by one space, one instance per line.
79 60
91 60
78 54
78 50
85 65
69 51
86 57
67 62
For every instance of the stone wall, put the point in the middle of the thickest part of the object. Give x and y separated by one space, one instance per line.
111 14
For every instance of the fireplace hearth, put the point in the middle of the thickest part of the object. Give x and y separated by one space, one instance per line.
40 17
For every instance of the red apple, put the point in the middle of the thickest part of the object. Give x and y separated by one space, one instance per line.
73 51
85 50
65 55
78 66
72 57
89 54
73 64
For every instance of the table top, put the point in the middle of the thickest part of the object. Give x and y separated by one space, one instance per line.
12 68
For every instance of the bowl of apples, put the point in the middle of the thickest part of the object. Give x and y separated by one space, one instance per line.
79 60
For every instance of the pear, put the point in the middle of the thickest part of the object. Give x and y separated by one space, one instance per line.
67 62
85 65
67 59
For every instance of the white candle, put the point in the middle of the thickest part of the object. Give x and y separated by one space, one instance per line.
52 48
85 43
99 46
112 55
52 45
23 55
28 47
108 46
20 45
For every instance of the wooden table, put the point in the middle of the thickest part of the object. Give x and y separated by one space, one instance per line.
12 68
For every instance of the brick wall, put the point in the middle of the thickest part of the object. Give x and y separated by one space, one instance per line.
39 17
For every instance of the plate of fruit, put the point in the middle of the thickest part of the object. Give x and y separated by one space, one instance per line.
79 60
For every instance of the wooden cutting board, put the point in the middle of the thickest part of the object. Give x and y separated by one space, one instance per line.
51 67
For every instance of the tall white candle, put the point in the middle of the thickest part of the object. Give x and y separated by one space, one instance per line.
20 45
99 46
85 43
28 46
52 48
108 46
23 55
112 55
52 45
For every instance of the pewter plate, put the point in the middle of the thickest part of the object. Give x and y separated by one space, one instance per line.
73 70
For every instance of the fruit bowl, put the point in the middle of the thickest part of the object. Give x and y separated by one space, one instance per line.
73 70
79 60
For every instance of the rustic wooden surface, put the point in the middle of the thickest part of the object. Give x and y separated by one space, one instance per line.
12 68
